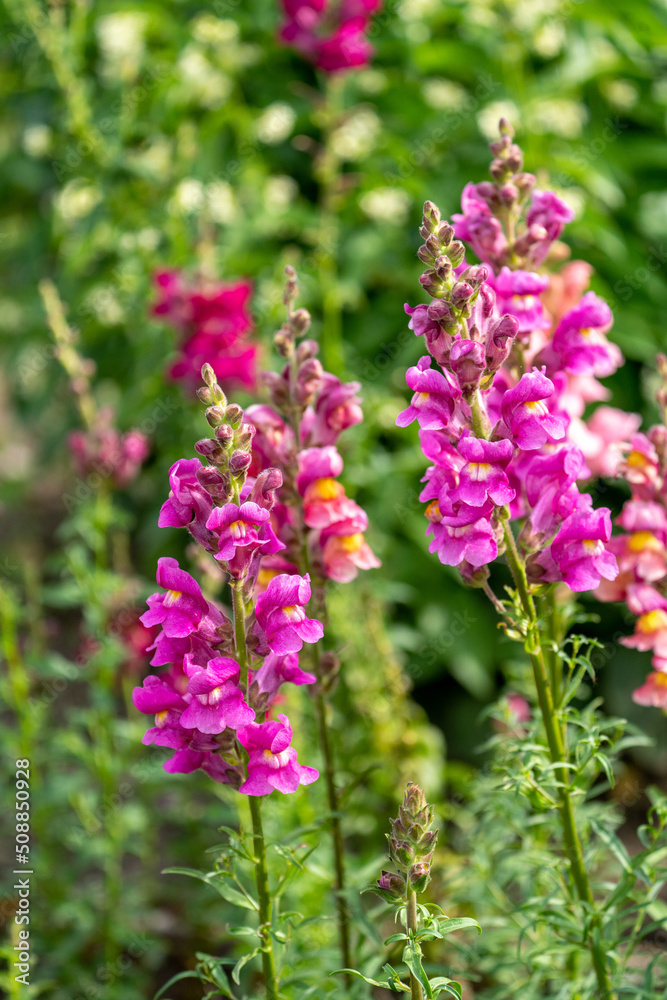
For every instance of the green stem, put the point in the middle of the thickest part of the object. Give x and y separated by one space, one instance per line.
336 832
259 851
557 752
264 899
328 175
416 992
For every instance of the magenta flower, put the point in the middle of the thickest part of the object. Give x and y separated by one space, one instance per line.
278 670
217 701
105 452
467 535
527 415
273 443
580 342
483 477
337 408
551 490
479 227
518 294
272 762
189 504
157 697
424 322
551 214
238 527
281 617
332 36
435 394
182 608
579 551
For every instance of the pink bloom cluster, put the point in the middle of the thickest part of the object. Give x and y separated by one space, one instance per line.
298 435
221 681
106 453
499 411
641 551
213 323
331 34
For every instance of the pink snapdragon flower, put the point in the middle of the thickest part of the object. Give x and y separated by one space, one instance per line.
337 408
579 550
105 452
345 550
466 535
527 415
653 692
518 294
157 697
329 34
276 671
549 213
240 526
435 394
281 617
272 763
217 702
483 477
189 504
608 429
580 341
213 322
182 608
477 225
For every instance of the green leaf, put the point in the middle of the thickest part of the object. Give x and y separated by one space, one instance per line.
220 885
413 959
353 972
236 971
396 937
175 979
449 924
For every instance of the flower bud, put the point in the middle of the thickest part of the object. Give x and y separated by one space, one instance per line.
300 321
419 876
263 492
216 393
445 234
432 284
215 483
278 388
309 381
443 267
467 361
392 883
234 415
401 852
306 349
456 252
431 215
425 255
224 434
204 394
243 437
239 462
215 415
500 337
283 341
461 293
210 449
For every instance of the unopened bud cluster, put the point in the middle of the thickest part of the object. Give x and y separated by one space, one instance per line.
229 450
411 846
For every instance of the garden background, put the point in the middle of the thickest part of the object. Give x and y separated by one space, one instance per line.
142 135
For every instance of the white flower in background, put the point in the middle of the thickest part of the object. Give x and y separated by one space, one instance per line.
621 93
153 160
37 140
121 40
77 200
559 116
279 193
386 204
275 124
414 10
187 198
221 202
102 299
147 239
488 117
549 39
372 81
210 30
575 197
202 82
357 136
445 95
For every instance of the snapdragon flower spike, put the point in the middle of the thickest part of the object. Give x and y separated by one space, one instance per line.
483 477
435 394
518 294
526 413
272 762
281 616
217 702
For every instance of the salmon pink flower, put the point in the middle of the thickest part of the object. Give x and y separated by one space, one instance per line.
272 762
345 551
217 702
527 415
324 499
435 394
641 467
653 692
337 408
281 617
